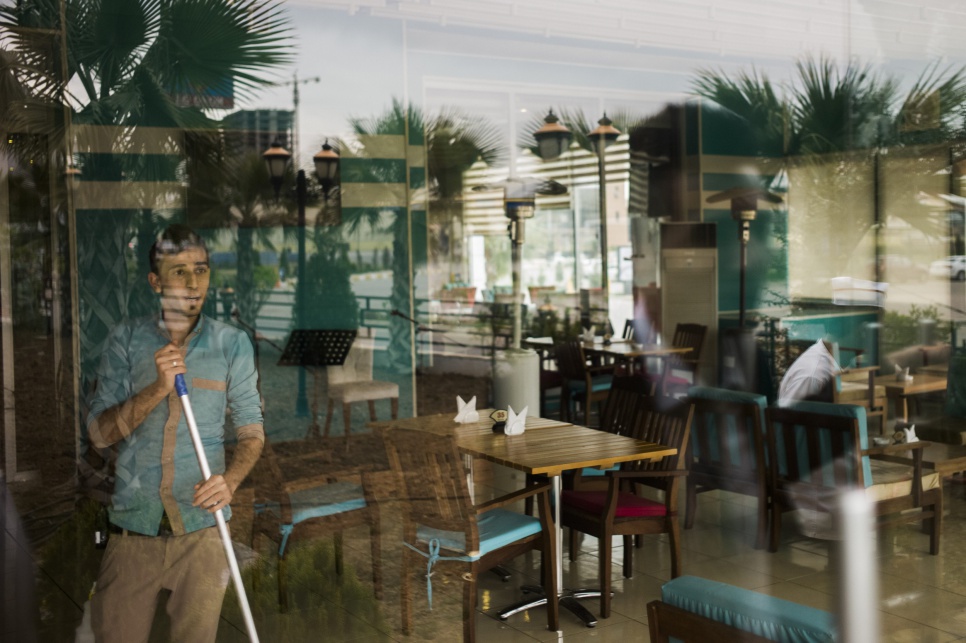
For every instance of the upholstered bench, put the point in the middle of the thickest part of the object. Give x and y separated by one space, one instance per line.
706 611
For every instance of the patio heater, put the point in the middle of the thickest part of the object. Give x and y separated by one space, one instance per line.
516 373
738 351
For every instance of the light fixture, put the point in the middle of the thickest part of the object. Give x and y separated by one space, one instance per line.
326 166
276 158
552 138
600 138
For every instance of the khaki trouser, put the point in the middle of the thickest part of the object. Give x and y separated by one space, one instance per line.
136 568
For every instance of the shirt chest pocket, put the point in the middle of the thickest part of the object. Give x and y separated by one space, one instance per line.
209 400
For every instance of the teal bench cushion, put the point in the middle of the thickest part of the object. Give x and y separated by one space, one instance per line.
767 616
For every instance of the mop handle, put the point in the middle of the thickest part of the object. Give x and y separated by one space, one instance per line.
182 389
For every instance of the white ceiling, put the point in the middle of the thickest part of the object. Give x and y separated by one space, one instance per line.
874 30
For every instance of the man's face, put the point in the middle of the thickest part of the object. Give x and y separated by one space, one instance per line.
182 281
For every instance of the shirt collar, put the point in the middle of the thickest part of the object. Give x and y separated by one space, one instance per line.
163 330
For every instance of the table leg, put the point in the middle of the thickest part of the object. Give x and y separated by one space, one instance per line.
567 598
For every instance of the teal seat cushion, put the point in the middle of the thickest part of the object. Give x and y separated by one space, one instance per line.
497 528
591 472
837 410
315 502
597 383
327 500
772 618
724 395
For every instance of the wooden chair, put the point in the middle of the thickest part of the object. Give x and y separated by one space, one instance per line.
816 449
441 518
612 512
581 383
289 510
728 450
685 336
619 416
352 382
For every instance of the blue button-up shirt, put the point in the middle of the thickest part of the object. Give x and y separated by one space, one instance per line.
157 467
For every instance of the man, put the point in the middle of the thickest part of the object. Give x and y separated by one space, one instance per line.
811 376
162 513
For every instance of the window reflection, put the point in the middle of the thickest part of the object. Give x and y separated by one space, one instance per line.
122 120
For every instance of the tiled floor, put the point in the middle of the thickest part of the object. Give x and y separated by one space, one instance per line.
922 597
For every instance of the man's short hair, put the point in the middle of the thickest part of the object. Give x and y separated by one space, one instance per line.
174 240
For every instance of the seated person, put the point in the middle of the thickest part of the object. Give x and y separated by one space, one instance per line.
811 376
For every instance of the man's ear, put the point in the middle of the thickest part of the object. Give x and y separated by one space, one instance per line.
155 282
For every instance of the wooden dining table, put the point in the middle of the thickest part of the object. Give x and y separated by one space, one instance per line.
547 447
899 391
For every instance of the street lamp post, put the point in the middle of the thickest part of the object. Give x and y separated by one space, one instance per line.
600 139
327 167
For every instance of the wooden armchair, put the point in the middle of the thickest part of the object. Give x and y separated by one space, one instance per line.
728 450
613 512
440 518
580 381
816 449
288 510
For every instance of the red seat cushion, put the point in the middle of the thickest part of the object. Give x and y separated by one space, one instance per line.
628 505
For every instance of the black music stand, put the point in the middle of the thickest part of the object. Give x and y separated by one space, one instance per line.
314 349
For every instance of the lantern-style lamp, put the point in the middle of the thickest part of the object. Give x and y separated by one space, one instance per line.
552 138
605 133
276 158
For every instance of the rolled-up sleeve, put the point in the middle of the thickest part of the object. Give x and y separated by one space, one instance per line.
243 398
113 384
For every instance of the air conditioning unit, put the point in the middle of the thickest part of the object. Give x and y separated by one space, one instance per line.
689 287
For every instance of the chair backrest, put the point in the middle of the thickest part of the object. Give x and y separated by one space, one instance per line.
817 444
628 333
667 421
956 387
691 336
620 409
358 363
727 434
430 473
570 359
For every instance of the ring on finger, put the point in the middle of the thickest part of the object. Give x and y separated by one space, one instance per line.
174 362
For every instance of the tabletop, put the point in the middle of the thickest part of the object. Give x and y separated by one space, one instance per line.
920 383
547 447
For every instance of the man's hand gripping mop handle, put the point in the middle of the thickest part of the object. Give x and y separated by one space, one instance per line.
182 389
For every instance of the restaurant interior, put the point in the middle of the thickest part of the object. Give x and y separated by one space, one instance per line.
532 288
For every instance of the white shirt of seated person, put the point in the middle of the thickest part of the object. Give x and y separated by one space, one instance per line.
809 376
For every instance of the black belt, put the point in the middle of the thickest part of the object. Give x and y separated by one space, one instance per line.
164 529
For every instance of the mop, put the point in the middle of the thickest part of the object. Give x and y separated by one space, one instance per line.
182 390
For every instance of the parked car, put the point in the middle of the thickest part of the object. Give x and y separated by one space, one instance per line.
953 267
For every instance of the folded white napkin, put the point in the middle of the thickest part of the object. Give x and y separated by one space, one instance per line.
588 334
516 424
902 374
466 411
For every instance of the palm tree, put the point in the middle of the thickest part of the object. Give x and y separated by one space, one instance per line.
454 142
130 59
